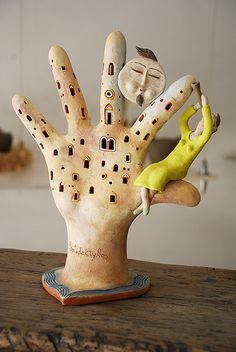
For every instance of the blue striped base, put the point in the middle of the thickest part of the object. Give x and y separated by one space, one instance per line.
137 282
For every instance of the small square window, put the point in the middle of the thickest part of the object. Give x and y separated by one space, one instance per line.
75 177
112 198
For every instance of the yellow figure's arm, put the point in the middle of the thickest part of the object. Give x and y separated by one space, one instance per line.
208 125
184 128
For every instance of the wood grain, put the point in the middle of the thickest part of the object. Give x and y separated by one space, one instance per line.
188 309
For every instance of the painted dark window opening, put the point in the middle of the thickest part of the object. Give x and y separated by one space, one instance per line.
44 121
58 85
20 112
137 132
75 177
41 145
154 121
168 106
86 164
104 143
66 109
111 144
63 68
72 91
91 190
126 139
82 141
103 163
109 118
141 117
61 187
112 198
111 69
51 175
146 137
55 152
127 158
33 135
82 112
70 150
125 179
104 176
45 134
29 118
76 196
108 114
115 168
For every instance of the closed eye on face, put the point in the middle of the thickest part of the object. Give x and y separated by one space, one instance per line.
133 69
153 76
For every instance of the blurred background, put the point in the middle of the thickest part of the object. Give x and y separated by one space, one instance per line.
187 36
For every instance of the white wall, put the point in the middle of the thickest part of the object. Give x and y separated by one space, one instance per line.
188 36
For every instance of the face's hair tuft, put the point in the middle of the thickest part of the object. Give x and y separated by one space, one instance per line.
146 53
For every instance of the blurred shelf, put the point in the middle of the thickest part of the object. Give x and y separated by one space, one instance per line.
33 177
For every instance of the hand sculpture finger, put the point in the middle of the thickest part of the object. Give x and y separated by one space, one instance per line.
161 110
178 192
112 100
42 131
71 96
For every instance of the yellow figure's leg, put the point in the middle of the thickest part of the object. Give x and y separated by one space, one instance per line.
146 196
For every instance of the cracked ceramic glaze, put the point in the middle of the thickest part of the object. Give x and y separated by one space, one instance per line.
92 168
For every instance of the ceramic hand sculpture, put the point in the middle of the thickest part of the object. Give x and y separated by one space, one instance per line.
92 171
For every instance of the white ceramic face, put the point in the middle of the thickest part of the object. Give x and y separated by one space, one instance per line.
141 80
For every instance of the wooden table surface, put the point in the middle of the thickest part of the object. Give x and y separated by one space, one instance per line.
187 309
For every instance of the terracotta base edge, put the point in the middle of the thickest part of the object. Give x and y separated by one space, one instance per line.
138 285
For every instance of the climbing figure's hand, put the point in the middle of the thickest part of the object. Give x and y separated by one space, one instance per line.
204 100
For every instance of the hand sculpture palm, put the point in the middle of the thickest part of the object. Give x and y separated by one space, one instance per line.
92 168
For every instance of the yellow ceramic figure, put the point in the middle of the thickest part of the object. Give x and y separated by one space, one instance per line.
175 166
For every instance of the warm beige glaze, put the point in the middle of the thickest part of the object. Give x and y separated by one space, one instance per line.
92 168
